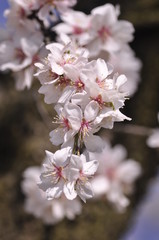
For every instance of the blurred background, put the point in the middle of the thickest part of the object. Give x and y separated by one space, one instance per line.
24 136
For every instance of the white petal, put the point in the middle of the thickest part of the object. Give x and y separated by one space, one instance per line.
91 111
89 168
93 143
100 185
69 190
61 157
57 136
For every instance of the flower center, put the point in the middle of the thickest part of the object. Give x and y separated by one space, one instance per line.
84 127
66 123
79 85
103 33
77 30
19 54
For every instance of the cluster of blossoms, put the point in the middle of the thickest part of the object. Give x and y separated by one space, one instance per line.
21 43
113 179
51 212
104 36
87 95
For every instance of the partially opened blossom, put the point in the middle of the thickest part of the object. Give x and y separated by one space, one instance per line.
115 175
51 212
80 172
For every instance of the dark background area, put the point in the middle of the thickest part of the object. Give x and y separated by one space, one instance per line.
24 135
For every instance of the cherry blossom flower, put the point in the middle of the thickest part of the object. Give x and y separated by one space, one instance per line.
115 175
19 53
54 176
80 172
53 71
125 62
102 29
51 212
77 127
75 23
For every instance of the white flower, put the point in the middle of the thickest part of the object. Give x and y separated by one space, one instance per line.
105 91
17 16
75 23
51 212
115 175
76 123
153 140
99 31
57 79
19 53
107 32
53 178
125 62
78 180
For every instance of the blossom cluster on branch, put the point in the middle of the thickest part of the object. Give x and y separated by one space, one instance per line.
84 74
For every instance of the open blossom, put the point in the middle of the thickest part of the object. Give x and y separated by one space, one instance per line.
80 172
67 173
19 53
103 30
77 127
51 212
17 16
54 176
105 91
56 83
125 62
153 140
75 23
115 175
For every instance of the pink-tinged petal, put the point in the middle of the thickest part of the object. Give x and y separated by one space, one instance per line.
69 190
